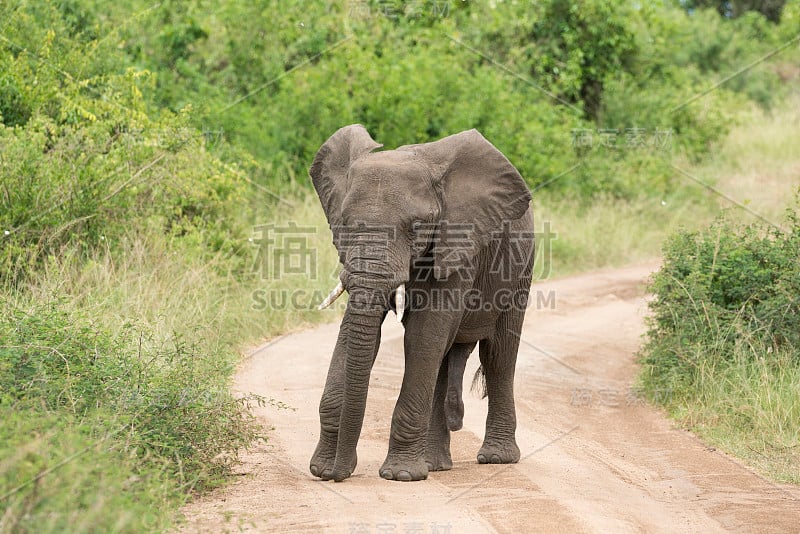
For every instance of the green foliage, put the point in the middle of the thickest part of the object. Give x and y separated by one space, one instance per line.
58 476
789 27
139 140
720 282
278 79
148 402
107 422
575 47
68 185
724 336
13 108
87 162
771 9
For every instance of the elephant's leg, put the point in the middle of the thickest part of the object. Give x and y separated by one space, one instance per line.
447 399
412 413
437 445
330 409
498 359
454 400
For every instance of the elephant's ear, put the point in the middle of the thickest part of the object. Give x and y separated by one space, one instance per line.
481 190
333 160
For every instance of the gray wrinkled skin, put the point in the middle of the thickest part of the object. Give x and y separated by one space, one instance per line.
455 210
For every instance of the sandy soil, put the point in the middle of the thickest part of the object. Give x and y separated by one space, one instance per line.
595 458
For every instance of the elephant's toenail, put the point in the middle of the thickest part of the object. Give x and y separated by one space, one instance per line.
496 459
404 476
482 459
387 474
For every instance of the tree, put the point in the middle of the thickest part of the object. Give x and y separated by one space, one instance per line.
771 9
577 45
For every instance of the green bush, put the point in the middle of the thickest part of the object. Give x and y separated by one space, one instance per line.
106 421
138 141
60 476
85 160
723 346
91 169
720 287
143 409
276 80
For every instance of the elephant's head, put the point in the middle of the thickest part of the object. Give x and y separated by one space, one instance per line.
387 209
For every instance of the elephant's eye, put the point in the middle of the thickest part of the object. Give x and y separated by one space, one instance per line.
416 226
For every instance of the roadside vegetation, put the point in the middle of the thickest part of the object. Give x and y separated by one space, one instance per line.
145 148
724 339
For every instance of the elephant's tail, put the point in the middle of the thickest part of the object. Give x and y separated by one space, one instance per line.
479 382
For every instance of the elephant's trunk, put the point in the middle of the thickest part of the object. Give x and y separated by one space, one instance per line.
364 316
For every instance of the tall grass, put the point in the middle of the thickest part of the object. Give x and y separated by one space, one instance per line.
128 286
608 232
740 397
169 291
114 371
724 339
756 165
747 404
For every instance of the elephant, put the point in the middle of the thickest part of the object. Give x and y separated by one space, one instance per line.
436 232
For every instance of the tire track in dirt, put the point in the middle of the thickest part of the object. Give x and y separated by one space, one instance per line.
595 457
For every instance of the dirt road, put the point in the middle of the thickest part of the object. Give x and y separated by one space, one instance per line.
594 457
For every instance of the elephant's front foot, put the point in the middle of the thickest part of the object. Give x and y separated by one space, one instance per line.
404 470
499 452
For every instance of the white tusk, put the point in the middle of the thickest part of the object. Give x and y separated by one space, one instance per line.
400 302
332 296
